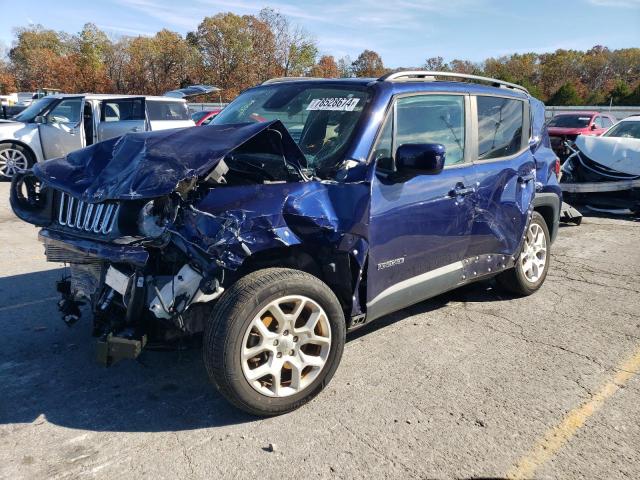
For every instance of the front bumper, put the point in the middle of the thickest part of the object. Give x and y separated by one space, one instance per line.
131 254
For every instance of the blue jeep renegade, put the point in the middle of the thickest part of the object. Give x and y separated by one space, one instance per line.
307 208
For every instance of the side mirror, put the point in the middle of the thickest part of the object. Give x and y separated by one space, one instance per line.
594 126
41 119
420 159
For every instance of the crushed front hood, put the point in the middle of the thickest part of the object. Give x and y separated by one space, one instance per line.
152 164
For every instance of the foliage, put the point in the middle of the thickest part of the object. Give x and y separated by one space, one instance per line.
235 52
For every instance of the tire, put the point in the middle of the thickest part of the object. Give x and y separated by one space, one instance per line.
244 339
14 158
523 281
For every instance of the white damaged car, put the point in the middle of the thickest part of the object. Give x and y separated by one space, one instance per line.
604 172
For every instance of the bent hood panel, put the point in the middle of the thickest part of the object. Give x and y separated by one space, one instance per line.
152 164
620 154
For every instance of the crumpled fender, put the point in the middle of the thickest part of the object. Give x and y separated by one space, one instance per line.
152 164
232 223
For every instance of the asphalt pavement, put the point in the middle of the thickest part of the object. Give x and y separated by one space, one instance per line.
471 384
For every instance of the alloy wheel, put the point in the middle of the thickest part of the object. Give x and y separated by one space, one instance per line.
286 346
12 161
534 253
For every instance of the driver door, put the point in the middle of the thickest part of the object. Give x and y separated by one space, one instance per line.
62 131
420 228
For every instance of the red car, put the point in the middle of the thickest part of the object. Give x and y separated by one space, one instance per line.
567 126
204 117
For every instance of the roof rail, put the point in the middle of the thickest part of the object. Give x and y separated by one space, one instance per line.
427 76
289 79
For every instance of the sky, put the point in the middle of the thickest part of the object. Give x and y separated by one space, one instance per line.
404 32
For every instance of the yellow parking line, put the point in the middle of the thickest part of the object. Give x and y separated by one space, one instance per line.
556 437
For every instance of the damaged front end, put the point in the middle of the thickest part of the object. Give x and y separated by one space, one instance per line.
603 173
154 227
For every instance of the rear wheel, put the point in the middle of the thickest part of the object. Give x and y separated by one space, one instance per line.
14 159
274 340
532 264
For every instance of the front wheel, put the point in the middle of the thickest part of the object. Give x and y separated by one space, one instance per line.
14 158
274 340
532 265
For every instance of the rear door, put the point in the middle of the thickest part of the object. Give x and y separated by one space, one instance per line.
121 115
504 177
62 133
420 227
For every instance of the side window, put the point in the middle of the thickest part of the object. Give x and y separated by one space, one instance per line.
163 110
424 119
67 111
606 122
119 110
500 124
598 122
432 119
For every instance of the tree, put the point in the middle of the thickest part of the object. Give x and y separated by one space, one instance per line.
368 64
344 67
325 68
7 79
566 95
619 93
91 47
295 50
436 64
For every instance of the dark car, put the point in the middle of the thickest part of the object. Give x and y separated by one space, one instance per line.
567 126
393 190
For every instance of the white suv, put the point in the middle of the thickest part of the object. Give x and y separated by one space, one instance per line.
58 124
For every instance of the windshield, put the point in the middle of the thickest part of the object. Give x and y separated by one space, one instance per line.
570 121
33 110
624 129
320 118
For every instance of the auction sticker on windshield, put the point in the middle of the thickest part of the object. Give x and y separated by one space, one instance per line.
336 104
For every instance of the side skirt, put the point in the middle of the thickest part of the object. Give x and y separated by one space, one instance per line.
430 284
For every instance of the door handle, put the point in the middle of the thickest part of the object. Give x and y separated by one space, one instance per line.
136 129
461 190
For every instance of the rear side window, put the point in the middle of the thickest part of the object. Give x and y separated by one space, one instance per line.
500 124
160 110
120 110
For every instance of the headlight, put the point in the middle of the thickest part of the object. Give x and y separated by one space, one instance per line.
155 216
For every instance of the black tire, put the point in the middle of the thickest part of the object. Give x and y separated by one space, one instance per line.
28 155
514 280
231 317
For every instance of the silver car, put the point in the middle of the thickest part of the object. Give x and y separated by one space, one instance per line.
58 124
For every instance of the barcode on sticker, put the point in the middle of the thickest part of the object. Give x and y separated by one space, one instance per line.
336 104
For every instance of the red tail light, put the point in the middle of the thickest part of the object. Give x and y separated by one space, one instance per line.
557 167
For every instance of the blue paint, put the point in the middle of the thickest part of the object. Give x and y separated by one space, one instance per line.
426 220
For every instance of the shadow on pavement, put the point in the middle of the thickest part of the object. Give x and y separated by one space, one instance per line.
48 369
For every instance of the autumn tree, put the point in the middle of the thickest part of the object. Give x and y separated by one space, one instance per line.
368 64
325 68
90 50
295 50
436 64
566 95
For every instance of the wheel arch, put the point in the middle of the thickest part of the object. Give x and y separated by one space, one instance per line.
548 205
328 265
27 147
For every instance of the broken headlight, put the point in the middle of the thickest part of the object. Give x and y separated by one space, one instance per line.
155 216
